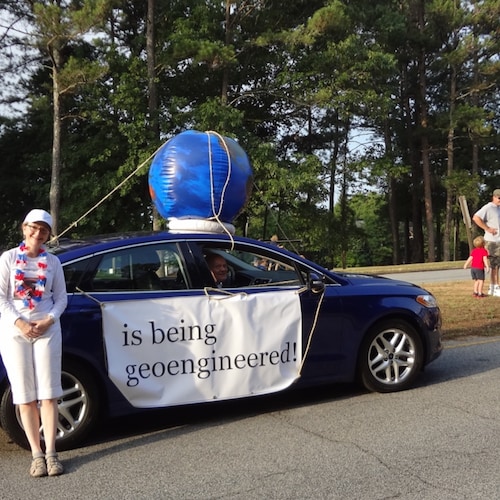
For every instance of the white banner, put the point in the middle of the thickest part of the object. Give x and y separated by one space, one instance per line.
180 350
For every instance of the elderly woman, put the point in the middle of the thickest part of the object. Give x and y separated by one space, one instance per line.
32 298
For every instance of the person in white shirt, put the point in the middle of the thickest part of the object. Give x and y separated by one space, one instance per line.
488 219
32 298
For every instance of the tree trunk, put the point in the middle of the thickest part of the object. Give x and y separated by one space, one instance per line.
475 102
450 167
55 179
154 124
333 166
227 41
151 63
414 233
344 226
424 141
393 206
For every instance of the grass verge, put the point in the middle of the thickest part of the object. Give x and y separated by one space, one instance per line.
463 314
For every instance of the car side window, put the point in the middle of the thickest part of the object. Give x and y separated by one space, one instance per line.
78 274
246 267
148 267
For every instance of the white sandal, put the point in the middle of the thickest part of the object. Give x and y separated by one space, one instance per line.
54 466
38 467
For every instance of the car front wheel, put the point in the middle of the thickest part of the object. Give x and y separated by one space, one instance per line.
79 409
391 357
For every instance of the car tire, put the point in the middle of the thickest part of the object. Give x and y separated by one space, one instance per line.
391 357
9 420
79 409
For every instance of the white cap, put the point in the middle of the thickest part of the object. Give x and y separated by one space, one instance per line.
39 215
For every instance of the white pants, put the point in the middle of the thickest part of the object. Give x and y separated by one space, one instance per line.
33 367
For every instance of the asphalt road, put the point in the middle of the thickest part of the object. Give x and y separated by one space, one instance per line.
440 440
433 276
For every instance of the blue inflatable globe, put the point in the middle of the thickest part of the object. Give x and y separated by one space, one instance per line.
200 175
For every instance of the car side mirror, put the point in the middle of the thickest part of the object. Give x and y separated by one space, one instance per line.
316 283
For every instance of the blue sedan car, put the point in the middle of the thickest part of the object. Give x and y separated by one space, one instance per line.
149 326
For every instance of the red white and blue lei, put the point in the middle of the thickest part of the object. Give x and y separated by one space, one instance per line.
30 296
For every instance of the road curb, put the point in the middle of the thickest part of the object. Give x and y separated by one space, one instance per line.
468 341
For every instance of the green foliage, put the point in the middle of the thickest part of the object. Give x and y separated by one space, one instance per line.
323 96
78 71
372 221
214 115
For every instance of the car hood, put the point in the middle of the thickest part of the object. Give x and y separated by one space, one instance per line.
374 280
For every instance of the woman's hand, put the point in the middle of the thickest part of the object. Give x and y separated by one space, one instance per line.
42 325
34 329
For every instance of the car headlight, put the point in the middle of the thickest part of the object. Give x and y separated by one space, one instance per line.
427 300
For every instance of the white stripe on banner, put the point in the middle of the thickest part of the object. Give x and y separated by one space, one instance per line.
180 350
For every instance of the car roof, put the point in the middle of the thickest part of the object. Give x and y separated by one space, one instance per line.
63 245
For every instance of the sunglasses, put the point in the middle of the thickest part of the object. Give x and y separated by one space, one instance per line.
40 229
